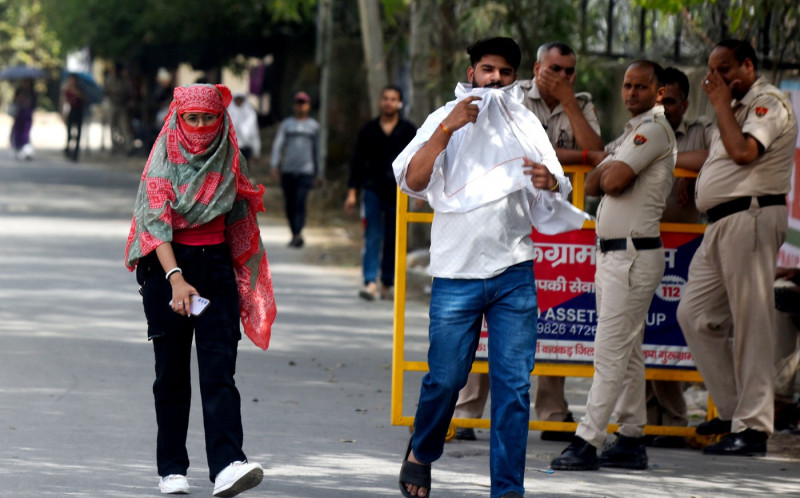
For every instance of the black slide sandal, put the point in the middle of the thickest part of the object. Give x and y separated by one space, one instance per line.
414 473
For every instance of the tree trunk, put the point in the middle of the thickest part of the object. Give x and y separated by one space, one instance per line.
323 60
372 39
420 96
610 28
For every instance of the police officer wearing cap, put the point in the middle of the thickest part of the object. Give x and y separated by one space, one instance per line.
634 180
726 311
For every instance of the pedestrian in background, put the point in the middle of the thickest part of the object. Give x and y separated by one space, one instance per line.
23 105
296 159
726 311
195 235
245 122
73 106
379 142
118 93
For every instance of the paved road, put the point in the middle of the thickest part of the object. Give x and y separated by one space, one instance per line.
76 414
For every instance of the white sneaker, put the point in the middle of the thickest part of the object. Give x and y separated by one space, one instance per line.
237 477
174 484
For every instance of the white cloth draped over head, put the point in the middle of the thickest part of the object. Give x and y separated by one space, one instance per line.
483 161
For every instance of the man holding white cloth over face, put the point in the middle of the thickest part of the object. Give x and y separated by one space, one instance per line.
485 165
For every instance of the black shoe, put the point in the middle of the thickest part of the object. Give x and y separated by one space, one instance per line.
625 453
296 242
512 494
579 455
677 442
565 436
714 426
749 442
466 434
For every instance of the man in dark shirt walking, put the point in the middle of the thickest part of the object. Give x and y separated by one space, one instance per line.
379 143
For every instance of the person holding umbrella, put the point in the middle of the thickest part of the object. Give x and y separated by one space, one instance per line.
73 102
23 105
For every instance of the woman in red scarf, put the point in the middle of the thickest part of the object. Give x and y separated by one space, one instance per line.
194 233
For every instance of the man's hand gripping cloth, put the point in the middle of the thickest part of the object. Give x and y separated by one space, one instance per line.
194 175
484 160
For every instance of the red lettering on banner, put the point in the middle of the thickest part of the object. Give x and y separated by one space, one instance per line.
557 350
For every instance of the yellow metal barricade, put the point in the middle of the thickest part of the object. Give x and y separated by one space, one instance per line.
400 365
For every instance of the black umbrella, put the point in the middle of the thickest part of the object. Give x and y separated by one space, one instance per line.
21 73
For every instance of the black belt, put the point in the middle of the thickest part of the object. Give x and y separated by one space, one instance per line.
640 243
743 204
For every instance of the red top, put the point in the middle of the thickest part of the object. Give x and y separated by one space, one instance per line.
209 234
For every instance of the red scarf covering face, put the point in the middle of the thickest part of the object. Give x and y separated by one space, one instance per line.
194 175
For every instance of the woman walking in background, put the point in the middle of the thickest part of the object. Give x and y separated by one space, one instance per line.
23 106
73 103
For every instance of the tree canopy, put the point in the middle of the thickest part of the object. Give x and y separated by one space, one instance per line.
206 34
24 36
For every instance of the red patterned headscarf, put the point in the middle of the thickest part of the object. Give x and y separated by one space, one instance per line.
194 175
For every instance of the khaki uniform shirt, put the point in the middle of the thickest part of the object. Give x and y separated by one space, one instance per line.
648 147
694 135
691 136
555 122
765 114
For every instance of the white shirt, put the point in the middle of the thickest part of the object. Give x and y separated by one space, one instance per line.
245 123
483 242
484 203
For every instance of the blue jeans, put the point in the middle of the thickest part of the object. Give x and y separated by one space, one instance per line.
379 241
457 306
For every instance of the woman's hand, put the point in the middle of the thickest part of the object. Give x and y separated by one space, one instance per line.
182 293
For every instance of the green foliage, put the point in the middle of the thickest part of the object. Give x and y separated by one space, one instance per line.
24 36
206 34
394 10
670 6
291 11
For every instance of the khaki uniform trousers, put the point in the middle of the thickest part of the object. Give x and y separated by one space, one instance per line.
472 397
787 354
665 403
625 282
727 314
550 403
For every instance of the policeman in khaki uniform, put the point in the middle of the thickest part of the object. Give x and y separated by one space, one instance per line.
665 402
693 138
635 180
787 347
570 120
726 311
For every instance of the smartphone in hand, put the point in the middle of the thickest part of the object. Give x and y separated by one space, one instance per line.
198 306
